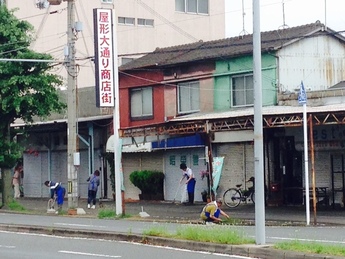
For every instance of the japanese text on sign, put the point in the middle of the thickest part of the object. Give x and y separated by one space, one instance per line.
104 54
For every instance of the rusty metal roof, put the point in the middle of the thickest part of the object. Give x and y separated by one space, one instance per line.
229 47
267 110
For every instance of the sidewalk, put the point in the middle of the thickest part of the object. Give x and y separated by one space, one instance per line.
169 211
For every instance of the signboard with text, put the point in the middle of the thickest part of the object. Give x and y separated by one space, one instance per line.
104 56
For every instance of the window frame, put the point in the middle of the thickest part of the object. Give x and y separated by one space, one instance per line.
184 6
142 115
125 21
145 24
245 91
190 97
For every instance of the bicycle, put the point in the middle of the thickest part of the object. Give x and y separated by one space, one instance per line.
234 196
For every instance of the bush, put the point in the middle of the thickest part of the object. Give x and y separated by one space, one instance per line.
149 182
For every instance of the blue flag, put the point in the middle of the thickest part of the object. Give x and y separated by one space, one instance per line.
302 96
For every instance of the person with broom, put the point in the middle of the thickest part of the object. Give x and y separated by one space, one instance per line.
188 173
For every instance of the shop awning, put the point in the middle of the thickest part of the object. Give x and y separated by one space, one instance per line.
131 148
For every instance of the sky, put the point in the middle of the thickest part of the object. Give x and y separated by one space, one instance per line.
297 12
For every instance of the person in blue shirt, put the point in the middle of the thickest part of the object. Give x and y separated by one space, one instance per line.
58 190
92 189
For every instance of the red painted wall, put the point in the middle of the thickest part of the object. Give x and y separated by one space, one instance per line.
128 80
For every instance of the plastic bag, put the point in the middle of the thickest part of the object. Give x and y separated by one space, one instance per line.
184 194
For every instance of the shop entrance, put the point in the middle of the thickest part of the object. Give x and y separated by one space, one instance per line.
288 170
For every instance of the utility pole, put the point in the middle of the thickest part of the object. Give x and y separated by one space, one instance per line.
258 132
73 159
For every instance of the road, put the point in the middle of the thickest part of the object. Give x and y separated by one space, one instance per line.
24 245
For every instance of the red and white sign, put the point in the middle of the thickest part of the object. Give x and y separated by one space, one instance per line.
104 56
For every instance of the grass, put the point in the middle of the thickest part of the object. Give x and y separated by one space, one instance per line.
313 247
213 234
109 213
16 206
222 235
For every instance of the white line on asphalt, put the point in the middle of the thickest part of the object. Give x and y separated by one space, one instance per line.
308 240
1 246
78 225
89 254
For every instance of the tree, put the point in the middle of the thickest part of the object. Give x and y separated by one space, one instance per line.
27 89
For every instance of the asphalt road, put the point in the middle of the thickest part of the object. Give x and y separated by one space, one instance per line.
38 246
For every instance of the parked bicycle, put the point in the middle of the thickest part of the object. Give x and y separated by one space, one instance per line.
234 196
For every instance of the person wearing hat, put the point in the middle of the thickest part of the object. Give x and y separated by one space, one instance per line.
211 212
187 173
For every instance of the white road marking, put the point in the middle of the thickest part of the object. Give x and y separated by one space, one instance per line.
308 240
1 246
78 225
89 254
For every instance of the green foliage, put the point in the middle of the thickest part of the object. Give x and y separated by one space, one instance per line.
110 214
149 182
16 206
158 231
106 213
28 89
312 247
214 234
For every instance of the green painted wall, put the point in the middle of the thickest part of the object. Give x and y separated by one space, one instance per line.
244 65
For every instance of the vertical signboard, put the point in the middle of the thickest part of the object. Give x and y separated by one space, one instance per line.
104 56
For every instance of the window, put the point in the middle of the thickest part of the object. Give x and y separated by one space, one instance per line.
141 103
192 6
188 97
126 20
145 22
242 90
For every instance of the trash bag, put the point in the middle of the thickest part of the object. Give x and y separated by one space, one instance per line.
184 194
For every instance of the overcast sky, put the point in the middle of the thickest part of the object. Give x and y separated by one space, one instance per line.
297 12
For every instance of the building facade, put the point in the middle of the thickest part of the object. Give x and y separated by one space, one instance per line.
184 98
140 26
222 70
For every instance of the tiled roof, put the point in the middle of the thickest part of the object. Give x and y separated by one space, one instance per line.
229 47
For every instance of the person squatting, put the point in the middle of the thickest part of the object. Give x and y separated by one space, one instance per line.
211 212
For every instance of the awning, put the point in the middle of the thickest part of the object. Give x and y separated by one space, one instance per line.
142 147
195 140
131 148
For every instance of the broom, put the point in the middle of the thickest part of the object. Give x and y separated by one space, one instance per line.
178 188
